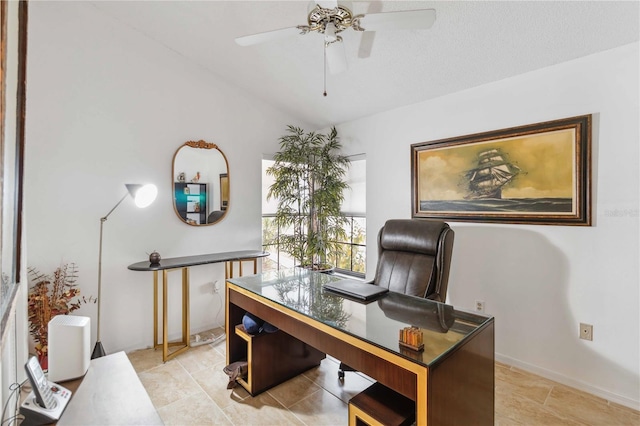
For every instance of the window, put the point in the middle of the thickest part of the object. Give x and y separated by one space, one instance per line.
350 258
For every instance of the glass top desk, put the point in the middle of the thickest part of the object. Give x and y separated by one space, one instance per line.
451 379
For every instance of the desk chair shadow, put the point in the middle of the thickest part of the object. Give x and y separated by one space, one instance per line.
414 258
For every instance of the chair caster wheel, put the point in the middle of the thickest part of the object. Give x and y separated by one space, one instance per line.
340 374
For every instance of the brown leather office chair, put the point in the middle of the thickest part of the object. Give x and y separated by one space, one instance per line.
414 258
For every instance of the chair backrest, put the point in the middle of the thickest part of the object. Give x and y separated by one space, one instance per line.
414 257
215 215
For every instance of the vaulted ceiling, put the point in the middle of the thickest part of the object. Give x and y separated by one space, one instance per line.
471 43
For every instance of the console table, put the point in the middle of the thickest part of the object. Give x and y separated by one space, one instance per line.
184 263
451 380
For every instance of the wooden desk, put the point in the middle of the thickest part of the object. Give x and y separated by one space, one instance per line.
183 263
451 381
110 393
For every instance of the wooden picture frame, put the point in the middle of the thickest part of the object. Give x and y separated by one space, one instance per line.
534 174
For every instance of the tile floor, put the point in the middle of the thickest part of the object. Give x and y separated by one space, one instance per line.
191 390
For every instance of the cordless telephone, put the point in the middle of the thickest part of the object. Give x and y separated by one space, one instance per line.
46 401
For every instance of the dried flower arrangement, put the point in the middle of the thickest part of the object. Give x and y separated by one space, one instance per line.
51 296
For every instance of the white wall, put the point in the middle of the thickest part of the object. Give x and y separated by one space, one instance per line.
539 282
107 106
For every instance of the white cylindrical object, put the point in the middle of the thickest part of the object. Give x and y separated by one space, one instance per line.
69 347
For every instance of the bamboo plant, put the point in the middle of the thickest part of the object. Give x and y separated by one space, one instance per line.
309 173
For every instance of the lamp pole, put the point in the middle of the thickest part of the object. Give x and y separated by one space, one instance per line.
98 350
133 190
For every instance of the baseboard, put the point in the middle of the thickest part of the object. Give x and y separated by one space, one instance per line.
577 384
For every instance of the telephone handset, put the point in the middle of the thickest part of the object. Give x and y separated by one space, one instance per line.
47 400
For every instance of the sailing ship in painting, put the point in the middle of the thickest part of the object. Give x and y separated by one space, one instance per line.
490 175
483 184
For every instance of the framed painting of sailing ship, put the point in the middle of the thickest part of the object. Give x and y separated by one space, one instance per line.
537 174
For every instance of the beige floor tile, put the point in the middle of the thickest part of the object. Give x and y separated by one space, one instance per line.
199 358
294 390
501 365
500 420
321 408
326 376
191 389
222 350
524 384
145 359
196 409
587 408
214 382
634 413
511 408
261 410
168 383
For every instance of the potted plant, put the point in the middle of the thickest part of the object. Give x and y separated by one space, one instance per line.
50 296
308 183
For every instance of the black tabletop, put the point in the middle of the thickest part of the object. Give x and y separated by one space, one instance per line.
202 259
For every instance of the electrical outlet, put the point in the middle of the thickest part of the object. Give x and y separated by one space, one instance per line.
216 287
479 306
586 331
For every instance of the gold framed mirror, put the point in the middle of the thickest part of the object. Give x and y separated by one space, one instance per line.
200 183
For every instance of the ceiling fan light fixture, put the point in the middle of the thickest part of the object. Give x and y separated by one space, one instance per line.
330 33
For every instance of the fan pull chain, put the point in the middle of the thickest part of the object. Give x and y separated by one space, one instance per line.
325 68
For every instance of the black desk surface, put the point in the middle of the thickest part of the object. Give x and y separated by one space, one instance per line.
202 259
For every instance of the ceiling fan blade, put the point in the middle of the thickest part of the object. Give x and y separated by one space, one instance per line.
267 36
402 20
336 58
366 44
368 37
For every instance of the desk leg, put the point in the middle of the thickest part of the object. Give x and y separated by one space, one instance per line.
421 397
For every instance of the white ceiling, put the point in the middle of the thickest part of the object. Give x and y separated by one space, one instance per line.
471 43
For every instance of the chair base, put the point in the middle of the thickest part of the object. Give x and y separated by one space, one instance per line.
342 369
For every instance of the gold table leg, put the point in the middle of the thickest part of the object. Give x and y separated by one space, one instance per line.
155 309
184 343
165 320
185 306
228 267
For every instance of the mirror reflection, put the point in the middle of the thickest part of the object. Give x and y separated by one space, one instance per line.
200 177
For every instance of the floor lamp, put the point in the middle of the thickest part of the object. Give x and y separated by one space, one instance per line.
143 195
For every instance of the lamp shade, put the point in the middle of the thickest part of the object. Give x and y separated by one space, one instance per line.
143 195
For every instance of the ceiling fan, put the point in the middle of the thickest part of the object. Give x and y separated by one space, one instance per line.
330 17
